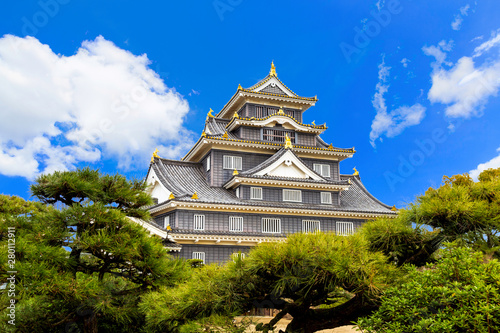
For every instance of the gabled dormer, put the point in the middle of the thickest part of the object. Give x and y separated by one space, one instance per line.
266 97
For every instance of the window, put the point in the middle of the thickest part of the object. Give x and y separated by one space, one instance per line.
310 226
199 222
238 255
277 135
344 228
259 112
271 225
199 255
166 221
256 193
235 223
326 198
237 191
232 162
322 169
208 162
292 195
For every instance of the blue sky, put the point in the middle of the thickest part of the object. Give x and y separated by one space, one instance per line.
412 85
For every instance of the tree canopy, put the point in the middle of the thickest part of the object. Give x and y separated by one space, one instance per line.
85 265
321 279
460 293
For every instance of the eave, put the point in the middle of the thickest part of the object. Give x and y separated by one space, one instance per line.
204 144
243 96
240 240
254 209
280 119
239 180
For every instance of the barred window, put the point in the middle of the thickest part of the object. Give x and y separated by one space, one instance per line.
238 255
344 228
277 135
256 193
310 226
259 112
322 169
199 255
271 225
291 113
292 195
235 223
199 222
326 198
232 162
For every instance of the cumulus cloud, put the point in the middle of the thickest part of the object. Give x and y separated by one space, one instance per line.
491 164
101 102
459 18
466 86
394 122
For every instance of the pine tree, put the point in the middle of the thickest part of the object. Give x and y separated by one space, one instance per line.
84 266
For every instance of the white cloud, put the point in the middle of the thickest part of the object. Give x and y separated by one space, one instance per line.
457 22
465 87
486 46
102 102
439 53
405 62
491 164
394 122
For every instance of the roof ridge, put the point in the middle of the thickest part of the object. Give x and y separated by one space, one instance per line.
274 158
357 179
178 162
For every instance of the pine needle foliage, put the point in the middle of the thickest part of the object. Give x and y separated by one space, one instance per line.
299 277
463 209
83 267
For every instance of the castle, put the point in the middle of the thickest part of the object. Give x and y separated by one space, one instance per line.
256 174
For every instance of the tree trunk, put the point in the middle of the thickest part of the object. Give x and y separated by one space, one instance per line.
90 323
313 320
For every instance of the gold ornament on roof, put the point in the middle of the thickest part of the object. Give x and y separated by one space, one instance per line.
225 136
281 112
169 228
330 146
240 87
155 154
195 196
313 122
394 208
273 70
210 113
171 196
356 173
288 142
235 172
203 134
235 115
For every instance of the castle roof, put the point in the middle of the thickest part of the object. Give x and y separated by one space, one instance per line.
183 179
